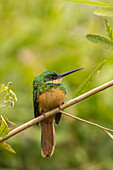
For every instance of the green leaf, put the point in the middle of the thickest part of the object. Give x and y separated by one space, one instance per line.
109 134
6 147
105 42
108 30
85 85
88 2
7 120
13 94
3 128
105 12
3 87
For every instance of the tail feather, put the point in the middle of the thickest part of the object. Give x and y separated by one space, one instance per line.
47 139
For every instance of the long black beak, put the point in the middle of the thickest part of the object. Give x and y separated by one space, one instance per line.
69 72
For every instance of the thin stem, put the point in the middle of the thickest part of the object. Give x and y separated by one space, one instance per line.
54 111
85 121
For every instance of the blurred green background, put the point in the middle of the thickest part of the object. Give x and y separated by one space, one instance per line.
36 36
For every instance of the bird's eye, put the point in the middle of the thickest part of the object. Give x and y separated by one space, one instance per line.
51 77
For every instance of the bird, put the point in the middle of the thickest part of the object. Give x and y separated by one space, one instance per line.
49 93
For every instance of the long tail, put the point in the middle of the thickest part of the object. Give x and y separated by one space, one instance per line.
47 139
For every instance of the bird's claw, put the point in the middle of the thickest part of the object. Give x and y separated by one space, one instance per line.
59 108
44 115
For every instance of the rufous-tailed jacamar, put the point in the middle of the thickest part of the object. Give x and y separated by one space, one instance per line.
48 93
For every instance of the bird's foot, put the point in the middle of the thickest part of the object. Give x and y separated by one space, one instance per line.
59 108
44 115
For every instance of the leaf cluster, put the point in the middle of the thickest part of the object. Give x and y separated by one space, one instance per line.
4 130
9 97
106 42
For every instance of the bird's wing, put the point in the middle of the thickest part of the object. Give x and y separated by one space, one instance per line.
36 104
58 117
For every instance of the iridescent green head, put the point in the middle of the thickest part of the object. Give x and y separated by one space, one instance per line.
46 76
50 76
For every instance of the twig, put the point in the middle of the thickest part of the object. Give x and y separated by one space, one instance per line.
52 112
82 120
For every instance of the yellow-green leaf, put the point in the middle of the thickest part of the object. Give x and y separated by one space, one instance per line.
3 127
105 12
7 147
3 87
105 42
108 29
7 120
88 2
85 85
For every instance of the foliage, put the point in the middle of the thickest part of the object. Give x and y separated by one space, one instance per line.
88 2
109 31
105 42
105 12
7 147
85 85
4 129
8 95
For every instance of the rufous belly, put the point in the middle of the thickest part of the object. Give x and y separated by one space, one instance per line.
51 99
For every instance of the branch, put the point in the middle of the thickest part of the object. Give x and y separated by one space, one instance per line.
52 112
87 94
88 122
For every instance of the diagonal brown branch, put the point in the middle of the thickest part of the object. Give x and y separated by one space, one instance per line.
52 112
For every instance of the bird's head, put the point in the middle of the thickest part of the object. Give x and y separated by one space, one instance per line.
52 76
